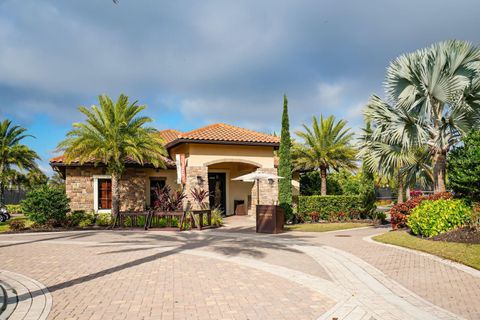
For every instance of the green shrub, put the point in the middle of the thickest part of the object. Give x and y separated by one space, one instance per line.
463 166
104 219
162 222
44 204
434 217
16 224
86 219
217 219
87 222
14 208
367 194
73 218
475 219
379 216
325 205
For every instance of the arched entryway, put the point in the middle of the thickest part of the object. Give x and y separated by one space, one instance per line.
234 197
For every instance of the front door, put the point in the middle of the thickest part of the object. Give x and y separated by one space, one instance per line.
216 186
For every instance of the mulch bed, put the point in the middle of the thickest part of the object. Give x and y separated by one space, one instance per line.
462 235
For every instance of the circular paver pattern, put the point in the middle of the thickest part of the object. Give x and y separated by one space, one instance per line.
122 277
23 298
232 273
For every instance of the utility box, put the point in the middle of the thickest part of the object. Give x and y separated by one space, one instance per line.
270 219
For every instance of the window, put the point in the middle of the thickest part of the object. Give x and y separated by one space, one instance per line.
104 194
155 184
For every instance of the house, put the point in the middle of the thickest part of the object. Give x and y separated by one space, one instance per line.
208 158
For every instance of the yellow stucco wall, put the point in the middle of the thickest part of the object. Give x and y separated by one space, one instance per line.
170 177
205 154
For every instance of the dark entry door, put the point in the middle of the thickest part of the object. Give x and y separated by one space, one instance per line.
216 186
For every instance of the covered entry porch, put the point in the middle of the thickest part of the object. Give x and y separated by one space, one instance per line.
233 197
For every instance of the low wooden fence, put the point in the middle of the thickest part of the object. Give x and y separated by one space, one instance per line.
149 219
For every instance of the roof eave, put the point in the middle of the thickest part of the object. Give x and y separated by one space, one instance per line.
99 164
224 142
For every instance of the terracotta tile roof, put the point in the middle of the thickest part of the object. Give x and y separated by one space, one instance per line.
218 133
60 160
169 135
222 132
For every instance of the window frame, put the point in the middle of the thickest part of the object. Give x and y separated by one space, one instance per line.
96 194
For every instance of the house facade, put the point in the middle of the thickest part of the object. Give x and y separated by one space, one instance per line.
207 158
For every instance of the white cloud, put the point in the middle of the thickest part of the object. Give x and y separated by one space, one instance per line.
331 95
215 60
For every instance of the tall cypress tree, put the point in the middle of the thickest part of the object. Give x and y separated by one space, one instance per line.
285 164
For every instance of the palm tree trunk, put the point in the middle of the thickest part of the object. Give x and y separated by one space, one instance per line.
439 170
400 190
2 187
2 194
115 197
323 181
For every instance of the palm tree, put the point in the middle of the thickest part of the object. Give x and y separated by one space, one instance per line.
325 146
13 154
392 161
57 181
111 133
434 99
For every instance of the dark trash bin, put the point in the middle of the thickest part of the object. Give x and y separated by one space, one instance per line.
270 219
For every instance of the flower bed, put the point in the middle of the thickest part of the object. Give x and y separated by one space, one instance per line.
400 211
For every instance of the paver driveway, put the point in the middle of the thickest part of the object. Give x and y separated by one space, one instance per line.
232 273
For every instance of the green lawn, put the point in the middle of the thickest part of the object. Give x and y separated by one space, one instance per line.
468 254
323 227
4 226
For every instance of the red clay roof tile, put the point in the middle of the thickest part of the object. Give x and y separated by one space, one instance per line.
169 135
218 132
228 133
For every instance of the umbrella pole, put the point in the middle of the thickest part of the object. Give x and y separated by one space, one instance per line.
258 191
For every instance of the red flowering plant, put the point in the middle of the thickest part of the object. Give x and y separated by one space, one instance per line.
416 193
354 214
342 216
314 216
400 211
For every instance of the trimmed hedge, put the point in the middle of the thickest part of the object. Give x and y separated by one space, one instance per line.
325 205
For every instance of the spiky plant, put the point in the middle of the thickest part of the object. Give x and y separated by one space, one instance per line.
199 195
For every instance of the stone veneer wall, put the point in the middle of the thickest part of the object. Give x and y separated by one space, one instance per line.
133 190
192 183
79 187
268 192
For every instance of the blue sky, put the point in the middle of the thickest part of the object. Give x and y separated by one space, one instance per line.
198 62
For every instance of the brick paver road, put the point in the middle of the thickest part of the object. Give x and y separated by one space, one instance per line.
231 273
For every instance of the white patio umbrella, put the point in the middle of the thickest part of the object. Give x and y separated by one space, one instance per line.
256 177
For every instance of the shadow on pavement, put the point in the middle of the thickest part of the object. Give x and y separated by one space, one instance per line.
221 244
